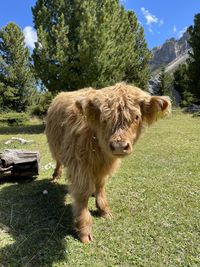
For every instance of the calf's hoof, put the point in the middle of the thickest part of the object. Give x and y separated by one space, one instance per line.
86 239
55 178
106 214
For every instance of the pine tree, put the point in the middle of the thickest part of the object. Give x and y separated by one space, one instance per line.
137 67
194 60
164 85
87 43
16 79
181 79
181 84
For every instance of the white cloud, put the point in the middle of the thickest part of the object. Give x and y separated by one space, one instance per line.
174 29
161 22
181 32
30 36
150 18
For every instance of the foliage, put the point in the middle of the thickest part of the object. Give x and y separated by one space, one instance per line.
154 197
41 104
13 118
181 84
88 43
194 60
181 79
196 114
164 86
188 98
16 78
136 70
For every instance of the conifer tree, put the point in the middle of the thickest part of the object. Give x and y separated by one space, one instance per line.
194 60
87 43
164 85
16 78
181 79
137 68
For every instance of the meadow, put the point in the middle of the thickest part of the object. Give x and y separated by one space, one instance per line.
155 200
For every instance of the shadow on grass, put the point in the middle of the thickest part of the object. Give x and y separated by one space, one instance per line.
25 129
36 223
19 180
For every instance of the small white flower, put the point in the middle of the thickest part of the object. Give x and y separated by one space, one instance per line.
45 192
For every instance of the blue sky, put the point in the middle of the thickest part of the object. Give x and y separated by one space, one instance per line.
161 19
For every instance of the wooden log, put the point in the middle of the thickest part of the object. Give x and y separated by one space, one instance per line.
19 163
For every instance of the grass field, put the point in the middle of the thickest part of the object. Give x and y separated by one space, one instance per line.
155 199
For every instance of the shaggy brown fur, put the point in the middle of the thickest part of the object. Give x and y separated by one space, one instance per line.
89 131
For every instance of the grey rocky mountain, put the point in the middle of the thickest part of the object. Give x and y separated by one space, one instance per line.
171 54
171 51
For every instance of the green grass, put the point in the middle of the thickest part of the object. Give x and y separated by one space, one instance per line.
155 199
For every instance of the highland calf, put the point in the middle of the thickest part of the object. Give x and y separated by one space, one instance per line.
89 131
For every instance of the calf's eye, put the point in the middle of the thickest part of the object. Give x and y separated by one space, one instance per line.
137 118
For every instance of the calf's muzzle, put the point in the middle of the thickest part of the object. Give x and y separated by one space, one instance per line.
120 148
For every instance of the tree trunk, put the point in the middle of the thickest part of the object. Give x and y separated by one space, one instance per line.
19 163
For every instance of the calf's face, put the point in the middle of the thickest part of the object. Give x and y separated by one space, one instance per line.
118 128
117 121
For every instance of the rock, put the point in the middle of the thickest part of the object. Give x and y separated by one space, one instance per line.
192 108
170 51
19 163
171 54
18 139
152 86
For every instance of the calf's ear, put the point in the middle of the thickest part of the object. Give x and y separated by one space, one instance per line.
155 107
89 108
81 103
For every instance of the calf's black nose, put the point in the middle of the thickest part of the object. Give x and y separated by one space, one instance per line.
121 147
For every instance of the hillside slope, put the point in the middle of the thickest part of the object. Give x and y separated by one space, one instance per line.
170 54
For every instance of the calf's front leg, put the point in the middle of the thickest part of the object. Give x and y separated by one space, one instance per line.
101 201
82 218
